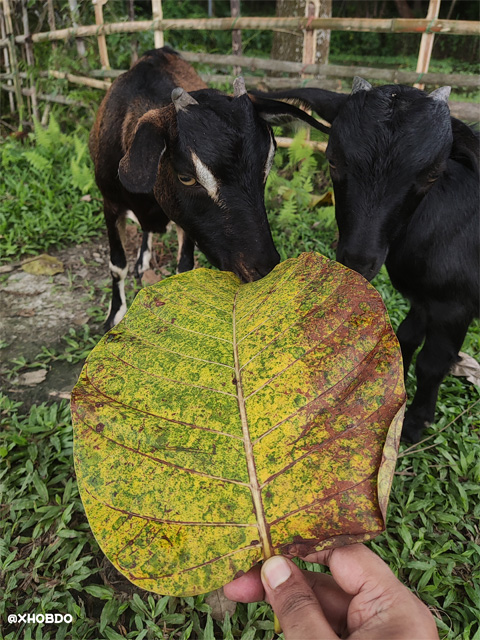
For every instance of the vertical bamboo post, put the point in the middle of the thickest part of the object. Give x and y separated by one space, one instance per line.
157 13
30 59
426 43
134 41
13 58
79 41
312 10
51 20
6 58
236 35
102 41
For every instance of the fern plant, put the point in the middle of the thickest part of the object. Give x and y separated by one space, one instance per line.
43 180
291 189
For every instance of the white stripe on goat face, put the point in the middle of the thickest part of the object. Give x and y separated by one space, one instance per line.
205 177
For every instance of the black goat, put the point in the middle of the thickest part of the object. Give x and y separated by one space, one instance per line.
406 181
200 159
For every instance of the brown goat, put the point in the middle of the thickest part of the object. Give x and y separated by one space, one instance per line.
168 148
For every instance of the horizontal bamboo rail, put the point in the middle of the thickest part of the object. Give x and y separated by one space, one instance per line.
391 25
47 97
83 80
314 144
463 110
393 76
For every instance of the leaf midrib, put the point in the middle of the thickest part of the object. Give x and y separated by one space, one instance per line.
247 443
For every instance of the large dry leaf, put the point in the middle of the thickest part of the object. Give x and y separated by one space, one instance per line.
221 423
43 265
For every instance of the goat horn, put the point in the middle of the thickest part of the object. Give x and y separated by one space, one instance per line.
359 84
440 94
181 99
239 87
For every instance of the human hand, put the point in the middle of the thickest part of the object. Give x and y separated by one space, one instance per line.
361 600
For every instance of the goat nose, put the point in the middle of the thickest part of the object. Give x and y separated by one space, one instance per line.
266 263
256 268
365 265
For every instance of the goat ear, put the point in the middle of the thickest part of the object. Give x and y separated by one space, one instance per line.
277 112
441 94
139 166
326 103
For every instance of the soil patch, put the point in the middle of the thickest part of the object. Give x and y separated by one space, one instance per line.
37 311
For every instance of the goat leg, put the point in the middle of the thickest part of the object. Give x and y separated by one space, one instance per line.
411 334
444 337
115 218
144 255
185 261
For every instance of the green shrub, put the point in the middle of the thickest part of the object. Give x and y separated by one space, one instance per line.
44 180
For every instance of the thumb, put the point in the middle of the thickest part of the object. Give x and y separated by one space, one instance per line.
294 602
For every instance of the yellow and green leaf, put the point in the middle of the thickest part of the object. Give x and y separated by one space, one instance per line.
220 423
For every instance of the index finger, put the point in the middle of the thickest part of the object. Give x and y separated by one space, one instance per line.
353 566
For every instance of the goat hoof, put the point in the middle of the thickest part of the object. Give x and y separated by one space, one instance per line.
138 271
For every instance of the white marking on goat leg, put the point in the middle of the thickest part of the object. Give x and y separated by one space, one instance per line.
269 162
181 240
205 177
146 256
122 274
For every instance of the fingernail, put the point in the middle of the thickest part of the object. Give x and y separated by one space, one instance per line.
276 570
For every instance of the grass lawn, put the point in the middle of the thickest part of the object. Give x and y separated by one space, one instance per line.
49 560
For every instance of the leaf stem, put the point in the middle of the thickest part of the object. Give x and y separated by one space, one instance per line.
247 443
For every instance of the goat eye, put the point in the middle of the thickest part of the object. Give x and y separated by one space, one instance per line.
332 166
188 181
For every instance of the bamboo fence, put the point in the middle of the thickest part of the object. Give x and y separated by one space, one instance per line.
306 73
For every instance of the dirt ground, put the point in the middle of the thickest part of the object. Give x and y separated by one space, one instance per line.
38 310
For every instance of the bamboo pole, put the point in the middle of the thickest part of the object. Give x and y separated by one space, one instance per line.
465 111
312 9
101 40
82 80
79 42
13 56
30 60
391 25
6 59
314 144
157 13
134 41
426 43
390 76
236 35
51 19
50 97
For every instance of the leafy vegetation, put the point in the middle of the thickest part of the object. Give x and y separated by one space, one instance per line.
45 193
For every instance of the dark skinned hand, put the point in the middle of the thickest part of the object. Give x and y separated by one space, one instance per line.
361 600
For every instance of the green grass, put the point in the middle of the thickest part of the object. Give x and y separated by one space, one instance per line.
48 197
49 560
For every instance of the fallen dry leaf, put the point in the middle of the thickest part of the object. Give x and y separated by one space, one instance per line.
150 277
32 378
220 604
468 367
43 265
